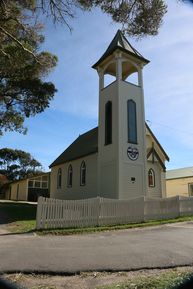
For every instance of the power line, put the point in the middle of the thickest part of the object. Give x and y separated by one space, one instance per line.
169 127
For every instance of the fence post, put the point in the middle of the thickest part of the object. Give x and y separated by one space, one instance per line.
98 210
179 207
39 213
144 208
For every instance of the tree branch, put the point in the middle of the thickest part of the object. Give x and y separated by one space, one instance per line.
19 43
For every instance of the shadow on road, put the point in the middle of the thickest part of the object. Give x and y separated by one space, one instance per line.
12 212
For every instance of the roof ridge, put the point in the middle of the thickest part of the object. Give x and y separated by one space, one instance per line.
96 127
184 168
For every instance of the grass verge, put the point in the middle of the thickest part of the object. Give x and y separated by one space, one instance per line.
166 280
20 227
142 279
71 231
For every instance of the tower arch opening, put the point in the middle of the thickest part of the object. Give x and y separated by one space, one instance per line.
130 72
109 73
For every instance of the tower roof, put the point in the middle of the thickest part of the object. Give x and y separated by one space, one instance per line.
120 42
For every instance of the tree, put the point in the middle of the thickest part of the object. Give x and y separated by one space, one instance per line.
17 164
23 91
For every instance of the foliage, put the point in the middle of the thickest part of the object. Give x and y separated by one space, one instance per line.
23 92
138 17
17 164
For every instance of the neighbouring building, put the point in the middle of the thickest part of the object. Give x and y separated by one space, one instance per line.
29 189
121 158
179 182
3 186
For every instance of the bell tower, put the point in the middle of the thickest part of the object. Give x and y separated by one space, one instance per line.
121 130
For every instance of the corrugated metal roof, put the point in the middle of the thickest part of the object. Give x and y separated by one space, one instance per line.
85 144
179 173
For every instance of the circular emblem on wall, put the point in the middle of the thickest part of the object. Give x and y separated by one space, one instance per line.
133 153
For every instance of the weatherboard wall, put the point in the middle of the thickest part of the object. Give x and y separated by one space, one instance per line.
156 191
19 191
89 190
179 186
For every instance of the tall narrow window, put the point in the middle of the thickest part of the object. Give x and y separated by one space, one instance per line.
59 179
132 121
151 178
17 192
70 173
108 123
83 174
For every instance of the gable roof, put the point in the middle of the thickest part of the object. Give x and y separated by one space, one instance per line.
87 144
84 145
179 173
121 42
152 152
159 145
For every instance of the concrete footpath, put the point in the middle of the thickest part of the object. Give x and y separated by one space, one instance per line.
153 247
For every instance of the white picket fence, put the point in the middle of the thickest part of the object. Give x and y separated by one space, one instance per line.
53 213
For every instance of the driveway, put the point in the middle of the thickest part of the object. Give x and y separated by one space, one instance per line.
155 247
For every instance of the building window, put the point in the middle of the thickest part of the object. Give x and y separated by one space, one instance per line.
83 174
108 123
59 179
42 182
37 184
132 121
44 185
70 173
151 178
190 186
30 184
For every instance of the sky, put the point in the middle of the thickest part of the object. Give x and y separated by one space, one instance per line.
168 85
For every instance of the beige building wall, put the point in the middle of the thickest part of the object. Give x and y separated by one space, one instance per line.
130 170
116 170
155 192
76 191
179 186
160 175
19 191
107 154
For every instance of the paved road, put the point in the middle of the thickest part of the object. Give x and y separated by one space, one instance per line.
165 246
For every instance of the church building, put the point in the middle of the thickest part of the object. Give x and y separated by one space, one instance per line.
121 158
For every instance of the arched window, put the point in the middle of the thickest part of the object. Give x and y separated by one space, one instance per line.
70 173
108 123
59 178
151 178
83 174
132 121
